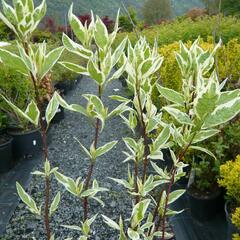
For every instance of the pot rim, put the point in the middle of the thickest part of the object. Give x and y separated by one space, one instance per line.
205 198
7 142
20 133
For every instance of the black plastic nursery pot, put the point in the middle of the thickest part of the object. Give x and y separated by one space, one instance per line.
26 143
6 157
231 228
204 208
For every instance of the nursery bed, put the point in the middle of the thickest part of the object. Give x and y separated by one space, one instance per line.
64 152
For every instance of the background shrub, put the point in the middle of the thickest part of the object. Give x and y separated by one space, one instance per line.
186 29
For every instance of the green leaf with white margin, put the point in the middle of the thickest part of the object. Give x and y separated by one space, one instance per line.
76 25
13 61
119 98
133 234
95 73
179 116
117 74
76 48
55 203
203 150
49 61
228 96
39 12
206 101
223 113
173 196
33 112
9 12
75 68
83 148
27 200
27 60
101 33
119 51
138 212
73 107
72 227
171 95
52 109
162 138
106 148
204 134
18 111
8 24
110 223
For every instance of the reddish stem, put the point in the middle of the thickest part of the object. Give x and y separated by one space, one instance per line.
91 167
45 150
173 172
144 134
137 198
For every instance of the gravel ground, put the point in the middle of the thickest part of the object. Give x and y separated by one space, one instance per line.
64 152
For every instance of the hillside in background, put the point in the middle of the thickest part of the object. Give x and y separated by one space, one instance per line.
57 9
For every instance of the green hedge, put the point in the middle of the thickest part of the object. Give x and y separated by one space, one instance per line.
187 29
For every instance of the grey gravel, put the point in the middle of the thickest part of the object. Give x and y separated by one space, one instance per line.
64 152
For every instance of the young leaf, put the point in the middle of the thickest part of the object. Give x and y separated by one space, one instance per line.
18 111
133 234
33 112
75 68
9 58
52 109
76 25
223 113
55 203
175 195
27 200
95 73
49 61
204 134
203 150
171 95
104 149
110 222
181 117
101 34
84 149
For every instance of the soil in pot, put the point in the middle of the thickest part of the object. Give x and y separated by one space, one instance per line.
26 143
6 157
229 210
204 205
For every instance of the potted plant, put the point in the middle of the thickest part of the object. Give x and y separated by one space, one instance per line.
204 194
229 179
24 131
5 145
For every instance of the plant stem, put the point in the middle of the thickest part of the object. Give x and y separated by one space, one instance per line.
45 149
173 172
91 166
144 134
137 198
155 213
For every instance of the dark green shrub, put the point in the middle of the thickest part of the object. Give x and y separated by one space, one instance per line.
124 22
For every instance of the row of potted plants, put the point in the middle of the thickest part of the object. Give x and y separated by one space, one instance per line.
19 138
